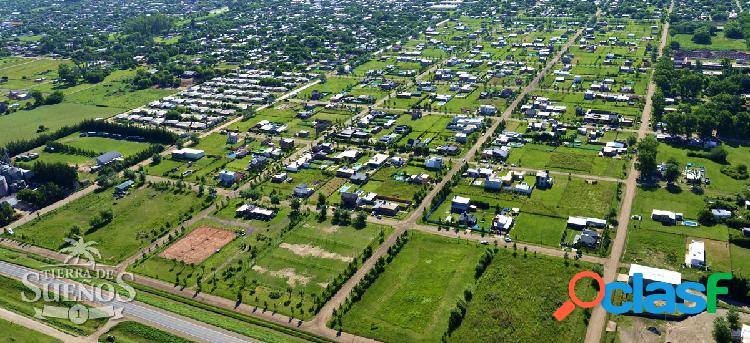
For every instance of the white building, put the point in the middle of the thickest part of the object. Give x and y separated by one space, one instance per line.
188 154
668 217
651 274
696 255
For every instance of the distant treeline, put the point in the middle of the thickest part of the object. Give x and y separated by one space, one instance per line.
153 135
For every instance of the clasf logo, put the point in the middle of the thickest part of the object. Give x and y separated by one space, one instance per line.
645 298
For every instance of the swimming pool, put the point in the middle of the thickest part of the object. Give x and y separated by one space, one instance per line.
689 223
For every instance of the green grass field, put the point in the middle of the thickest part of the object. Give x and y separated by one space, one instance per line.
14 333
102 145
411 300
24 124
574 160
721 184
139 217
134 332
515 298
718 42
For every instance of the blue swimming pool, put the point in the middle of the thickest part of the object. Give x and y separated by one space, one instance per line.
689 223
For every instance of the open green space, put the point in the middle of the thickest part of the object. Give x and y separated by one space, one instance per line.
24 124
15 333
515 298
134 332
138 218
411 300
718 42
567 159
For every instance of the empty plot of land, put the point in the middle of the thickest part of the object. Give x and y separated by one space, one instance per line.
309 250
198 245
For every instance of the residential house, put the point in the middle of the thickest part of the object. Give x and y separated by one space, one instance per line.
303 191
188 154
651 274
227 178
386 208
587 238
108 157
543 180
460 204
666 217
696 255
434 162
721 213
279 178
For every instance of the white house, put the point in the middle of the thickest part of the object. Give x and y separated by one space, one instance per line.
696 255
377 160
721 213
667 217
188 154
651 274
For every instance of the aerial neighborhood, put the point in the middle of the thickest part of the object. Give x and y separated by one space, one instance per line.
352 170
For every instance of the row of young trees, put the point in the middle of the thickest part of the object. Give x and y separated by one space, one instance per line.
149 134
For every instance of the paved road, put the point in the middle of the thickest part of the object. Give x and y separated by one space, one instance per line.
141 312
599 316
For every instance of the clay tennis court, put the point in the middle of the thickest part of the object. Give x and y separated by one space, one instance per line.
198 245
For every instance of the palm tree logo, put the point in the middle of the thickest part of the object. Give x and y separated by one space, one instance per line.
80 249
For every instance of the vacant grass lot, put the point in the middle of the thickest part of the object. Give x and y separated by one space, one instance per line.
718 42
139 217
515 298
574 160
134 332
15 333
51 157
411 300
22 73
24 124
332 86
539 229
305 261
102 145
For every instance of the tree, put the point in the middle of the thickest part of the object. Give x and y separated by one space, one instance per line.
646 157
322 215
733 30
7 213
718 154
706 218
55 98
360 222
321 200
722 333
672 170
38 98
67 74
702 35
733 318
